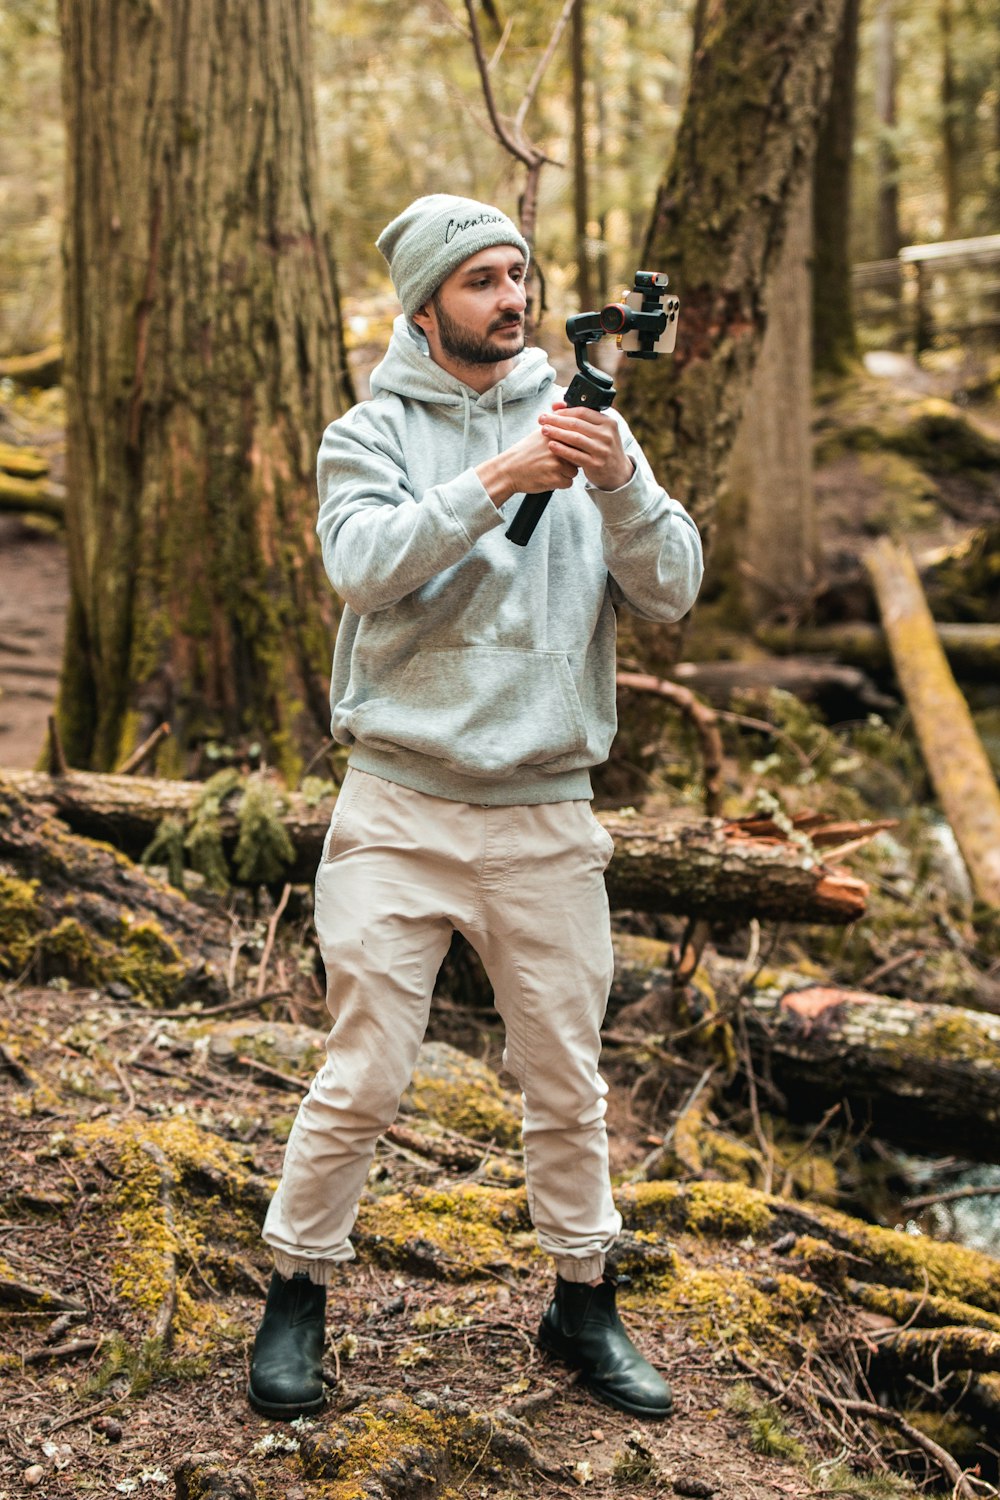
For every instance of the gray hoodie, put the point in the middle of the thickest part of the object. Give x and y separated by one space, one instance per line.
467 667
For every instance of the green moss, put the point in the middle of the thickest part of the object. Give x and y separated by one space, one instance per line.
474 1108
727 1306
370 1443
146 1238
464 1231
20 922
726 1209
768 1433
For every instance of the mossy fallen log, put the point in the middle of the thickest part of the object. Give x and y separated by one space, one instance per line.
959 767
926 1077
31 496
75 909
722 869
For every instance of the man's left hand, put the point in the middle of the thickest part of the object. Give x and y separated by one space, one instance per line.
589 439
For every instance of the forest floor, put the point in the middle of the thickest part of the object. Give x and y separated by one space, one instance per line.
394 1332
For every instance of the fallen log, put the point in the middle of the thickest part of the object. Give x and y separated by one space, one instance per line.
76 909
953 752
32 496
721 869
926 1077
973 650
839 691
41 369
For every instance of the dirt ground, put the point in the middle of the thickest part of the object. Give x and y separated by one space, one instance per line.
392 1333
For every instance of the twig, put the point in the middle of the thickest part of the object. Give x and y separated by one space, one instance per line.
952 1196
163 1321
544 60
18 1294
245 1002
122 1077
144 751
83 1416
804 1149
641 1173
278 1080
704 719
61 1351
890 967
272 928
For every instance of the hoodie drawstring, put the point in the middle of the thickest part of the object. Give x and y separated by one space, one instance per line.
465 427
500 416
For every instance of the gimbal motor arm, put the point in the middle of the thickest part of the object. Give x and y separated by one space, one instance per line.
645 324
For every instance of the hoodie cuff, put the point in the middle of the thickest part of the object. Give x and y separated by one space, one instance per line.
473 510
624 504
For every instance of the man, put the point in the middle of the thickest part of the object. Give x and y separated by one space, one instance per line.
475 682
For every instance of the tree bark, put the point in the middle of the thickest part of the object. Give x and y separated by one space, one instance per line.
949 122
203 359
835 345
953 752
889 237
759 83
722 869
581 209
774 556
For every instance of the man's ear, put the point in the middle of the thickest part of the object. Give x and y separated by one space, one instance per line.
422 317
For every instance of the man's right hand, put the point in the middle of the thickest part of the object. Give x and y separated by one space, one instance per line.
529 467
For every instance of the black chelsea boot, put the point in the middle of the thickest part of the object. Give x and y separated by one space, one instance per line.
286 1368
581 1326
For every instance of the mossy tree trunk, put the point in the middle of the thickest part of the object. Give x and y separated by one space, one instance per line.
835 345
203 358
759 83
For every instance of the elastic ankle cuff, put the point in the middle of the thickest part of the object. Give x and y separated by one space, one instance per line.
588 1268
320 1272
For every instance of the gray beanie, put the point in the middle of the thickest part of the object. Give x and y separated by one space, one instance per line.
433 236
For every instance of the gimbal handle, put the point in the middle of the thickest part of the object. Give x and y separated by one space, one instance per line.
589 387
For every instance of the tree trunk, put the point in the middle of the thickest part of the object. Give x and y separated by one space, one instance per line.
759 83
581 209
950 106
770 470
953 752
835 346
203 359
722 869
888 233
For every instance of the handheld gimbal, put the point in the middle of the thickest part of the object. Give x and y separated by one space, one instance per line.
645 323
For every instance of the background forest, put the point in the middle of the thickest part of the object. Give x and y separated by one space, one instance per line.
803 1040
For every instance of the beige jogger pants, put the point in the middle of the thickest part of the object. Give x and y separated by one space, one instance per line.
525 885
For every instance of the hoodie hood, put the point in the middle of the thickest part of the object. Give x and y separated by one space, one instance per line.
408 370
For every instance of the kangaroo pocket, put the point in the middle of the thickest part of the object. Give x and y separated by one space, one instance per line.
480 710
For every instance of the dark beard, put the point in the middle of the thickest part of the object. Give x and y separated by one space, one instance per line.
467 348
